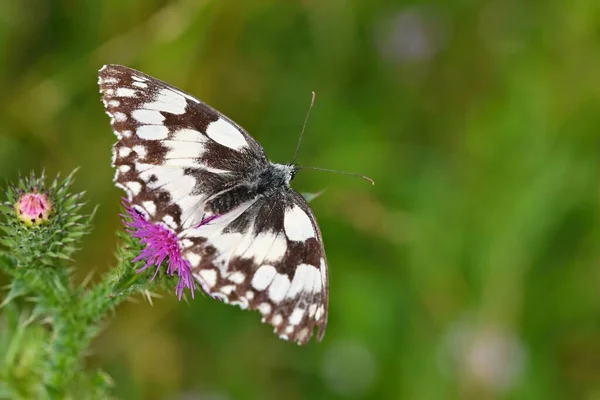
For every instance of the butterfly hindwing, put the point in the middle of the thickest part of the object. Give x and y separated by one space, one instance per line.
267 255
173 151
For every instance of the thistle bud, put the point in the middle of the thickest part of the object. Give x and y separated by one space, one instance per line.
33 209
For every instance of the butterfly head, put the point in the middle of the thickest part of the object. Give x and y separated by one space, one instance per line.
285 172
293 169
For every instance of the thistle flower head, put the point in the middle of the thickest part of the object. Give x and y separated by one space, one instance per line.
160 244
33 208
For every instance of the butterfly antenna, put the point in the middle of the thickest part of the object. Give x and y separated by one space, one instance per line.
366 178
312 102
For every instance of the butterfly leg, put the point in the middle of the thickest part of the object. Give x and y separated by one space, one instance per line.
206 220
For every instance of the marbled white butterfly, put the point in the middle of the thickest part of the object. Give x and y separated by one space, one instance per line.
250 239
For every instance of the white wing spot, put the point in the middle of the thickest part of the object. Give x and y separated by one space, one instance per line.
119 116
297 316
209 276
124 152
167 219
140 85
138 78
193 258
150 117
189 135
140 150
226 134
124 92
279 287
311 310
169 101
134 187
227 289
303 280
297 224
319 313
182 153
223 243
124 169
249 295
323 275
114 103
263 277
265 246
264 308
302 334
277 319
278 249
255 247
152 132
237 277
149 206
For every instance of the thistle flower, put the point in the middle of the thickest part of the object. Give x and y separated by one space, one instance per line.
161 244
33 208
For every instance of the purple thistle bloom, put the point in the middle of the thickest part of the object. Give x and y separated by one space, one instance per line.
161 243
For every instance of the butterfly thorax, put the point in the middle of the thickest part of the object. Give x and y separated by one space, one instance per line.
271 179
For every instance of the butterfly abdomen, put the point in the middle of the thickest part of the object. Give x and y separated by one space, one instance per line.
230 199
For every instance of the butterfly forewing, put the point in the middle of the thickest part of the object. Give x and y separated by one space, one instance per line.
173 150
174 157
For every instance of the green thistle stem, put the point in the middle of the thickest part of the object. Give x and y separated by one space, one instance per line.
76 327
38 250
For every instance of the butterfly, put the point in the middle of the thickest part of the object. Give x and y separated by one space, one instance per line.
250 239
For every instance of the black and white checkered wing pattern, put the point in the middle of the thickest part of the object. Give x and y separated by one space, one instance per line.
266 255
250 239
173 150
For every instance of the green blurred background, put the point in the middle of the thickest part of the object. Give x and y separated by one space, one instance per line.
471 270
